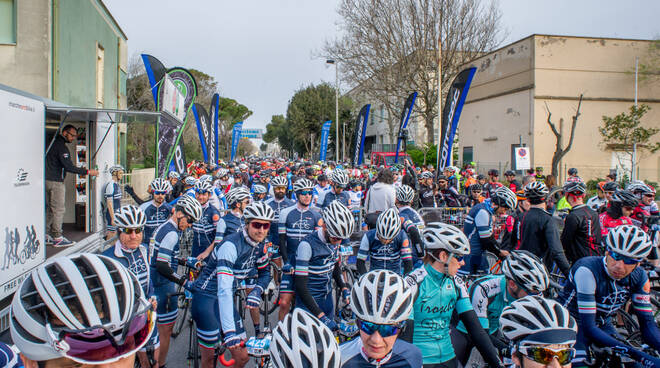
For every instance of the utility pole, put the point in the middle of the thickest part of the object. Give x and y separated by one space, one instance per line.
333 62
437 169
634 155
343 147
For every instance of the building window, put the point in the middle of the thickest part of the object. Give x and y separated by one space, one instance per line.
468 155
382 113
7 21
100 56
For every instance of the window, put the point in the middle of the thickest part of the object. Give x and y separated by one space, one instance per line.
7 21
468 155
100 56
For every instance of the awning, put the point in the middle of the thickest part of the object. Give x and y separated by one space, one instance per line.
79 114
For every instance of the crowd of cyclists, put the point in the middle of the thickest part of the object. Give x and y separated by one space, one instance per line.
522 273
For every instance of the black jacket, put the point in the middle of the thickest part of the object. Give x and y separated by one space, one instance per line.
541 237
581 235
58 161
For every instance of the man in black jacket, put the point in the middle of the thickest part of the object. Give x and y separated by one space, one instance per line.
581 236
58 163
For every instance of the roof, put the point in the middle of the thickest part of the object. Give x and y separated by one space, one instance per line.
116 24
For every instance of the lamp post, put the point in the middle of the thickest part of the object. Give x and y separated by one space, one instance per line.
333 62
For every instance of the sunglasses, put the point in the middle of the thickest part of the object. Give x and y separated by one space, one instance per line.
160 193
260 225
190 219
629 261
334 239
384 330
458 258
305 192
97 345
132 231
545 355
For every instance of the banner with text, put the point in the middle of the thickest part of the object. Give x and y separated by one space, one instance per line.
235 138
360 132
451 114
325 132
213 143
405 116
202 119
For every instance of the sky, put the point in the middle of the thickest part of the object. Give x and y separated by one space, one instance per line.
261 51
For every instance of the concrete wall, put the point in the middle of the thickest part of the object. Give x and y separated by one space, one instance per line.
26 65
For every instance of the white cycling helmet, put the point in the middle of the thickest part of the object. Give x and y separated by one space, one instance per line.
78 291
174 174
205 177
629 241
405 194
388 224
426 175
505 197
536 190
189 206
160 185
236 195
115 168
279 181
130 217
203 186
222 172
339 178
259 211
302 184
534 320
526 270
338 220
302 340
382 297
438 235
259 189
190 180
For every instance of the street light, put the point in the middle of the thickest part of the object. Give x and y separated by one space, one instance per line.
333 62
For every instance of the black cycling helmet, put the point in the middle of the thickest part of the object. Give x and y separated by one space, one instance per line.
625 198
475 187
509 173
493 172
575 187
572 171
610 186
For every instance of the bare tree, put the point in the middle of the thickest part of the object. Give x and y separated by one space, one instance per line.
389 48
560 151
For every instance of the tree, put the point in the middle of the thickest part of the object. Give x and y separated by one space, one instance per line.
625 133
560 150
276 132
246 147
390 48
263 147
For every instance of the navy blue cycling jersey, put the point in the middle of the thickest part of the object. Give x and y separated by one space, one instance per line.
136 260
343 197
113 191
277 207
204 230
411 215
237 258
296 224
9 358
156 216
403 355
316 259
165 249
228 224
478 225
385 256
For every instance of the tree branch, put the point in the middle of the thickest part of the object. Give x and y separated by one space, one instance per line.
574 123
552 126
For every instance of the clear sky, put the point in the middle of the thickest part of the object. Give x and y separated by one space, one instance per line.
261 51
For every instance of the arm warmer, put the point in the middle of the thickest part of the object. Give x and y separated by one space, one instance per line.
407 266
416 240
339 279
480 338
166 271
361 267
131 192
283 251
303 292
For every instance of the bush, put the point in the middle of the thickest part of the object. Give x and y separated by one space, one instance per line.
417 154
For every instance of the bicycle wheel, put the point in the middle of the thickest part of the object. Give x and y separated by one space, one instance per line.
193 347
182 317
629 325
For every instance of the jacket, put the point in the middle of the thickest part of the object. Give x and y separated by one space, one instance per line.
380 197
58 161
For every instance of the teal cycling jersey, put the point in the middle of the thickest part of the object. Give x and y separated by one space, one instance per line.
489 297
438 296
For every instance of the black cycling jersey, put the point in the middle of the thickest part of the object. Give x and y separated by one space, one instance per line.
426 196
581 235
449 197
541 237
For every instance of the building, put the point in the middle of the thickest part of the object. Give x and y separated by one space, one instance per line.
506 104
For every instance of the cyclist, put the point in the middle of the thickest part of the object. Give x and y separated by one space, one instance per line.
232 221
621 207
317 263
522 274
278 202
164 264
259 192
132 254
387 247
492 184
295 223
320 189
382 302
479 229
598 200
339 181
448 195
599 286
412 221
439 295
79 311
239 257
204 230
514 184
475 196
609 188
157 210
541 332
426 190
112 199
538 231
581 234
646 207
301 340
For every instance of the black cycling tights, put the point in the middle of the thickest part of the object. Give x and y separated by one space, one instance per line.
448 364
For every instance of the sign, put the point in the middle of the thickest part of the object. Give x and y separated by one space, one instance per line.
325 130
172 100
22 224
252 133
235 138
360 132
523 161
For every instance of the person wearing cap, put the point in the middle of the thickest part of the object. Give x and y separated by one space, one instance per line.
320 189
572 172
513 183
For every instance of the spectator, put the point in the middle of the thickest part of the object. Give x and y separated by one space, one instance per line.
539 175
381 195
514 184
58 163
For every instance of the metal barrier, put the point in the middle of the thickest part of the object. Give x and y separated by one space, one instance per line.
448 215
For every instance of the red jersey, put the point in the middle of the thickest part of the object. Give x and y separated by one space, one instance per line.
607 222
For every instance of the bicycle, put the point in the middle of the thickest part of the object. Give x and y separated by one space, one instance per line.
185 299
347 267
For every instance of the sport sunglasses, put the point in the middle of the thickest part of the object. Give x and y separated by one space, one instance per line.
545 355
626 260
260 225
384 330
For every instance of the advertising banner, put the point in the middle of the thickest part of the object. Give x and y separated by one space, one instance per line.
172 101
325 132
22 227
235 138
213 144
155 72
360 132
451 114
405 116
202 119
